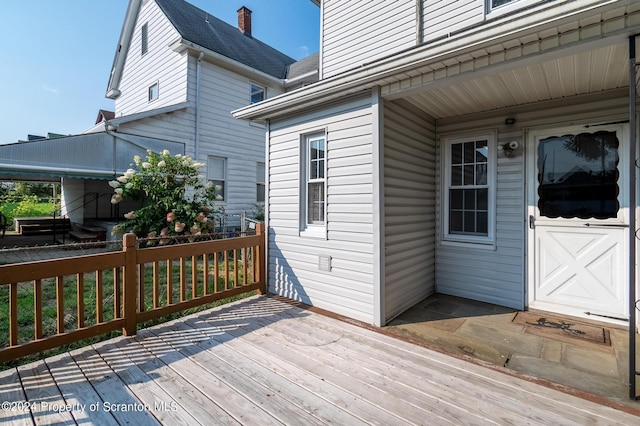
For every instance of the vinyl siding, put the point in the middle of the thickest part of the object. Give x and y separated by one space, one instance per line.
293 260
240 142
160 64
360 31
442 17
498 275
409 206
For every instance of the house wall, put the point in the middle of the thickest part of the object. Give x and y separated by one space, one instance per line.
160 64
72 192
497 275
293 260
242 143
409 206
441 17
357 32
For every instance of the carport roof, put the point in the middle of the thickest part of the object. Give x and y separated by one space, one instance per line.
87 156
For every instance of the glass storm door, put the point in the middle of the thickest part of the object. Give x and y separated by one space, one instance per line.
578 224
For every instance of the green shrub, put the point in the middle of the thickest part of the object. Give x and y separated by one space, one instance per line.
28 206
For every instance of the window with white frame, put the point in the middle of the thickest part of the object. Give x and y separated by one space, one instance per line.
154 91
144 39
313 191
260 182
257 93
217 175
469 183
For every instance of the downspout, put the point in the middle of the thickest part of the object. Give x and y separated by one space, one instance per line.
196 145
633 373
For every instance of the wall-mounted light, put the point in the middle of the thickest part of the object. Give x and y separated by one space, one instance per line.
509 147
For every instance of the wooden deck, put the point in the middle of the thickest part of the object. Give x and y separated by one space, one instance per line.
261 361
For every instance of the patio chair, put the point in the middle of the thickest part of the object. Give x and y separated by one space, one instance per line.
3 223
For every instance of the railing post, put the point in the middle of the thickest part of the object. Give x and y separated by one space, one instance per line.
130 246
262 270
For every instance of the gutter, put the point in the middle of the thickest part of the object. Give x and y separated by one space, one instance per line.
370 74
293 81
113 88
196 145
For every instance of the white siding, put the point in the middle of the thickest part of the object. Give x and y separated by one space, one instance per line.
409 205
442 17
293 260
159 65
241 142
73 199
498 276
360 31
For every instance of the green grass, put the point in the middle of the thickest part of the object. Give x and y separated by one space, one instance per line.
29 207
70 289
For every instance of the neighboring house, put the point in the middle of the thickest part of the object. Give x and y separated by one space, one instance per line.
435 154
177 74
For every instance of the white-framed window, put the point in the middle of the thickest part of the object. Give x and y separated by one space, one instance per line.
154 91
217 175
496 8
469 188
144 39
258 93
260 182
313 191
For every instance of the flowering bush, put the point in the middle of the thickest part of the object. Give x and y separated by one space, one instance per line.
176 201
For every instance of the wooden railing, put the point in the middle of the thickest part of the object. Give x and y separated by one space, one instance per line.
56 302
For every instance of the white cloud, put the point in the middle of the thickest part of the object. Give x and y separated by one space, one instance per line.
51 89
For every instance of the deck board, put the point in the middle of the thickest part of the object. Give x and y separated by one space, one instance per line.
263 361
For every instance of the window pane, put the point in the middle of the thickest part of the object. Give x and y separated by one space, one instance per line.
482 152
469 222
455 199
456 175
260 191
481 174
315 203
456 153
469 172
220 189
482 199
257 93
455 222
482 223
578 176
469 152
470 199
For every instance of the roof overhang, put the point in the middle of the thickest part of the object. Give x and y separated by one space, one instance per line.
521 42
181 45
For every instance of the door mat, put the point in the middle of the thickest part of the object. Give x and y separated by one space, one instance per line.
562 328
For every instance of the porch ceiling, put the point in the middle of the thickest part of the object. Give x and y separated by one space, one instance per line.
591 71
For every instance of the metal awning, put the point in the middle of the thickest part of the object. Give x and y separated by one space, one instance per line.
87 156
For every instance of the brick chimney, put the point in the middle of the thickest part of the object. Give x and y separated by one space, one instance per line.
244 20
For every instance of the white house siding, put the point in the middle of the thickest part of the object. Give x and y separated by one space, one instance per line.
442 17
498 276
242 143
160 64
360 31
409 206
72 192
293 260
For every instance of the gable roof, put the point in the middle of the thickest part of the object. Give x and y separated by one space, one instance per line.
199 27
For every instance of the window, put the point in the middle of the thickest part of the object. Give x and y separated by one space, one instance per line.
469 189
260 182
313 198
217 175
498 3
257 93
154 91
144 39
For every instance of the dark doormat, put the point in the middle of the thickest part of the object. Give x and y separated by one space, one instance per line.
562 328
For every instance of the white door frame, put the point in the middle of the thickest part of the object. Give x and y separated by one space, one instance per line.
532 136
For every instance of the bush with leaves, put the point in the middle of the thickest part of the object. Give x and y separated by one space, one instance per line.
176 201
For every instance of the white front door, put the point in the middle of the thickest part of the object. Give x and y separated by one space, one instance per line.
578 221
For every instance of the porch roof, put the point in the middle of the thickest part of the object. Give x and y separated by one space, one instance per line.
86 156
262 361
569 50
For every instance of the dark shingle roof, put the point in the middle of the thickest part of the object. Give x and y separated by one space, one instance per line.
304 66
197 26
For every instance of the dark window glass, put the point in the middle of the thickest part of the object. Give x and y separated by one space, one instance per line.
578 176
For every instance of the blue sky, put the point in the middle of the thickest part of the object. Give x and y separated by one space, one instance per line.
57 55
